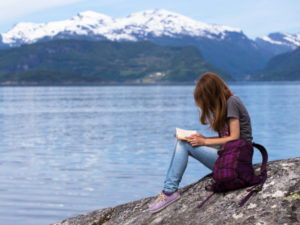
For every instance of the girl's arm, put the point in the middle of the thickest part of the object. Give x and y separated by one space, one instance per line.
198 139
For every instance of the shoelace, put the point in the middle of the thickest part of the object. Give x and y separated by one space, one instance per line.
161 197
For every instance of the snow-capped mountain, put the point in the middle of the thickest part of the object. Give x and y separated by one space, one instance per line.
278 43
85 23
288 40
136 26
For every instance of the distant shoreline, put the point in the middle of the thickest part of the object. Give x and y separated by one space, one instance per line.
166 83
112 83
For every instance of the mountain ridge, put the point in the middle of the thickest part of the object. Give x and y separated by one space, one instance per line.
225 47
158 22
173 23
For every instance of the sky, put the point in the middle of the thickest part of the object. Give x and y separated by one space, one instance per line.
255 17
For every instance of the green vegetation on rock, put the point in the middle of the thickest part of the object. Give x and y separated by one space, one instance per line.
81 61
284 67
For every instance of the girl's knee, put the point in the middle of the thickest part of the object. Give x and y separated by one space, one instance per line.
181 145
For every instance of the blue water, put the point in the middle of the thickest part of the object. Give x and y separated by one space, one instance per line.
66 151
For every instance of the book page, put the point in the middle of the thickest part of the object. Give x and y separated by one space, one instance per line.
181 133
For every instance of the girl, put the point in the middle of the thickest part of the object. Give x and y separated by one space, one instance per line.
226 114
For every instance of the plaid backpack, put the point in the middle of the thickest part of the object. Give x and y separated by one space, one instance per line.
233 169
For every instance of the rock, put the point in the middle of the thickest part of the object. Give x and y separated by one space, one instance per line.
277 203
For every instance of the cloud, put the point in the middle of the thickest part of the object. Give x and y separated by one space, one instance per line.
261 17
14 9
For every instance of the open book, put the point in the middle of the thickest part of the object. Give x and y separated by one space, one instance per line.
181 133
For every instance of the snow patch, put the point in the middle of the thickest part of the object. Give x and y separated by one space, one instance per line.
267 39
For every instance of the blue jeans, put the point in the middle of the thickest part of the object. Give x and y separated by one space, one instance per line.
205 154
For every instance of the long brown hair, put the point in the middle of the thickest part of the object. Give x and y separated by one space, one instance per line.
211 94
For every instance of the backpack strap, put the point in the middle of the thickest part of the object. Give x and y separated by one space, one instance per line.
263 168
202 203
263 173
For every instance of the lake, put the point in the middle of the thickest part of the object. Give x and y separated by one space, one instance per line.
69 150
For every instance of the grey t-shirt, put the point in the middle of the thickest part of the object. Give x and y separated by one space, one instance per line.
236 109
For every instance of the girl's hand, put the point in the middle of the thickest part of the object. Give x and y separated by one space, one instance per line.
196 139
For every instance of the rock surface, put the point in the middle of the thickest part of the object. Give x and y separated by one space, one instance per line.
277 203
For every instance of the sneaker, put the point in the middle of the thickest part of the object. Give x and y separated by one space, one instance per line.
163 201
